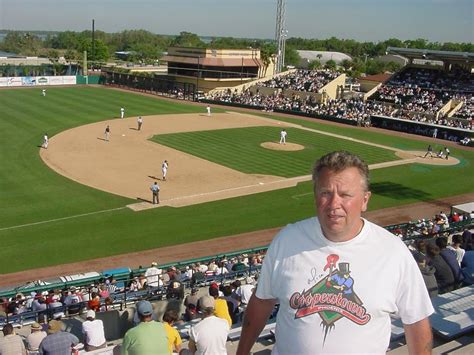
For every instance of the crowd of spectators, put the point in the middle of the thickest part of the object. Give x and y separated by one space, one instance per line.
302 80
414 94
213 306
352 109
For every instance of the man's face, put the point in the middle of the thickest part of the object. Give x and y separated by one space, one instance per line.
340 200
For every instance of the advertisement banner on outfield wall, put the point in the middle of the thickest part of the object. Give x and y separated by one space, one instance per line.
69 80
55 80
28 81
14 81
3 82
42 80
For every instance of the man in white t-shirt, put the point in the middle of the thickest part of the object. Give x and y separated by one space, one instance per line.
209 336
152 275
339 277
93 330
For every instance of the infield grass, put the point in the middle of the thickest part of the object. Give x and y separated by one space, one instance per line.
240 149
30 192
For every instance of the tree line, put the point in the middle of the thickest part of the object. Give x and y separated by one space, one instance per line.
147 47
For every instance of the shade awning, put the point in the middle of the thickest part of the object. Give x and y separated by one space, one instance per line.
214 62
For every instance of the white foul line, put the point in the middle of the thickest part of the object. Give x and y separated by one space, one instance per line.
61 219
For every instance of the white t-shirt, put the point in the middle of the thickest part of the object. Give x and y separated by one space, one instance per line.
210 336
152 275
94 332
245 292
348 312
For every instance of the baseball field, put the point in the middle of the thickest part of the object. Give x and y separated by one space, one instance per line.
85 198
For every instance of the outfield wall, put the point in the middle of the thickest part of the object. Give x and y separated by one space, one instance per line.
29 81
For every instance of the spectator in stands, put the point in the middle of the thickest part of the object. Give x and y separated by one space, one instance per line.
456 247
444 275
33 340
93 330
297 268
197 277
38 304
468 267
58 341
152 275
10 343
209 336
244 292
134 285
428 273
94 302
192 298
221 309
450 257
190 313
103 292
174 339
148 337
467 243
175 291
232 303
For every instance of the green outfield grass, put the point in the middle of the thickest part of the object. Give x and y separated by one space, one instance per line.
31 193
239 149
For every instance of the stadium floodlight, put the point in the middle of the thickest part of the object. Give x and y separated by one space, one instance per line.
280 35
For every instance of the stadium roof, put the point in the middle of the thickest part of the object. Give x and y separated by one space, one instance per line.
413 53
215 62
323 56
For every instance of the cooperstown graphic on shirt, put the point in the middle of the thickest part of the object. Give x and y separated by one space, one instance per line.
332 297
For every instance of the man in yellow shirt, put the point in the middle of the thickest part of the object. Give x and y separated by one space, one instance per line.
174 339
221 310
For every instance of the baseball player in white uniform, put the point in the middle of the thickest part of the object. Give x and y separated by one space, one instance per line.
122 112
43 92
45 141
283 135
164 169
139 122
208 108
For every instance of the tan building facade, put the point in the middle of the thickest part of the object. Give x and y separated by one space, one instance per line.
209 69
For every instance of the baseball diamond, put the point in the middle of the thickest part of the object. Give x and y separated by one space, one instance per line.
221 181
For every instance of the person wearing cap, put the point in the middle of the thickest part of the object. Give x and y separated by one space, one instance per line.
148 337
209 336
11 343
57 342
152 275
320 311
34 339
93 330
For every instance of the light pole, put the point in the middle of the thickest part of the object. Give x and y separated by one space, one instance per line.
197 80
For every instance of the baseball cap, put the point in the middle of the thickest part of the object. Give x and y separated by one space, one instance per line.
144 308
206 302
90 314
154 263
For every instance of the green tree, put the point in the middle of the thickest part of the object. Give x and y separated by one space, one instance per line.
330 64
314 65
187 39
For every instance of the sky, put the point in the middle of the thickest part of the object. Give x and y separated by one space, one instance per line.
362 20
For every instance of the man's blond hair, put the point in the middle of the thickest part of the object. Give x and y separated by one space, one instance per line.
339 161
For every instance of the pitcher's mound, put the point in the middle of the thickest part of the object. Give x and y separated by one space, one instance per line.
287 147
